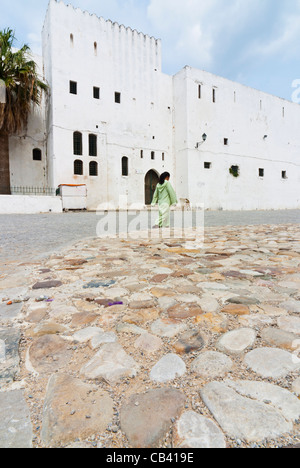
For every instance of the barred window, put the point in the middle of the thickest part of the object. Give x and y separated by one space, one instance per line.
37 154
77 143
124 166
78 167
92 145
93 168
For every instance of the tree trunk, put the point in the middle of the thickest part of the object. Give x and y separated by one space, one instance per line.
4 165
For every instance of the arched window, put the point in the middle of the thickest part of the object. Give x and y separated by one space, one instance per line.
37 154
92 145
77 143
78 167
124 166
93 168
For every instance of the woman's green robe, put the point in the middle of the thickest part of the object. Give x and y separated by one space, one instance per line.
165 196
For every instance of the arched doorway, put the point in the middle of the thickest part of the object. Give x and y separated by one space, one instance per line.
151 181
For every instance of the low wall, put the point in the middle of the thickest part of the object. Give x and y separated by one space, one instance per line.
29 204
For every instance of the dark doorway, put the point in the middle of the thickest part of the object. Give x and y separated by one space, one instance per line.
151 181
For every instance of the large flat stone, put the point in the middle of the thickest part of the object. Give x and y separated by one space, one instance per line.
168 368
289 324
272 362
9 312
236 341
49 353
167 328
242 417
281 399
15 423
9 354
211 364
196 431
111 364
146 418
74 410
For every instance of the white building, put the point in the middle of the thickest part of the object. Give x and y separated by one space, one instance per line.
114 122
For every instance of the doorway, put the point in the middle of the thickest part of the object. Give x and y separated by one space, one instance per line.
151 181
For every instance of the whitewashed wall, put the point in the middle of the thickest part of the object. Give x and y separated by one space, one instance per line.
127 62
244 116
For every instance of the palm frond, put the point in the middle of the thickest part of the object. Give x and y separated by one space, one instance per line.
23 86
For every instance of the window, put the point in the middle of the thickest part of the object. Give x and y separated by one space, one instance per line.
199 91
124 166
118 98
283 175
77 143
283 112
225 141
142 154
93 145
78 167
96 92
73 87
153 155
207 165
214 95
93 168
234 171
71 40
261 172
163 156
37 154
95 48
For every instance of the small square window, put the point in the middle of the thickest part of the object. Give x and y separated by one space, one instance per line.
207 165
118 98
261 172
73 87
37 154
96 92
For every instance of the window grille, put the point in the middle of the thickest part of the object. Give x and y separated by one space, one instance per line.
93 168
78 167
77 143
93 145
124 166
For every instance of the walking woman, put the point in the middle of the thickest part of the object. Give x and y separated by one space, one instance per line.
165 196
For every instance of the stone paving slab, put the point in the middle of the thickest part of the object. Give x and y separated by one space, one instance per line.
131 320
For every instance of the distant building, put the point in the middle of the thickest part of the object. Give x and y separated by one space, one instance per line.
114 122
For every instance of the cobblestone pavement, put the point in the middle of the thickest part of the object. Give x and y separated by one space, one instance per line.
30 236
154 343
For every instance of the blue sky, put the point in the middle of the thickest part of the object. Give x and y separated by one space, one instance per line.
254 42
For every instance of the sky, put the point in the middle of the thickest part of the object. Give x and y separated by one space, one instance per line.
253 42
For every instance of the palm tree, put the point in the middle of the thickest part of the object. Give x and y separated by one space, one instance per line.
23 90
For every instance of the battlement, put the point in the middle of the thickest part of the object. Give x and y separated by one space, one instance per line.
102 21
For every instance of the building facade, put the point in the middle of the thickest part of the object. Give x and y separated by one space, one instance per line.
114 122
